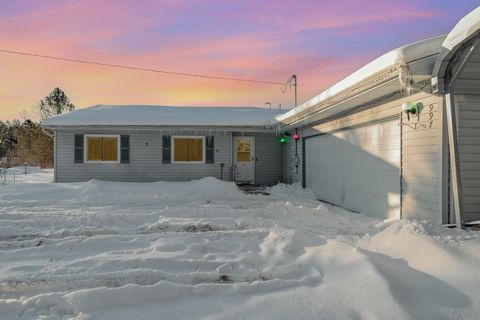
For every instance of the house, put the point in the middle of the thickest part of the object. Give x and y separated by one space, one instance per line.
399 138
151 143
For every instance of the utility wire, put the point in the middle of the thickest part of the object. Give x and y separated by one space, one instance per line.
137 68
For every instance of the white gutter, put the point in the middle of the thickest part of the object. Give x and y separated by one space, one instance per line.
413 64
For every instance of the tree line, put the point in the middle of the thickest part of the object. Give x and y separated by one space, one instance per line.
25 142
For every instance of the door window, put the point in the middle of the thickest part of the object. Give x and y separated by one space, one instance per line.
244 149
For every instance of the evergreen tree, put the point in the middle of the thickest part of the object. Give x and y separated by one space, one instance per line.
55 103
7 139
32 145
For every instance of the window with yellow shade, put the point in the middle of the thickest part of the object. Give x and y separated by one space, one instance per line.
101 148
188 149
244 149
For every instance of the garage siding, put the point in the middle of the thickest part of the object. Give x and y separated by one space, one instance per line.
290 174
267 153
469 152
423 189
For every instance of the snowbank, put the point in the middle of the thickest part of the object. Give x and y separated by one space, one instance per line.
205 250
96 190
32 175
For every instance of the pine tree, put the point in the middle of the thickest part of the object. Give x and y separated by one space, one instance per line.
55 103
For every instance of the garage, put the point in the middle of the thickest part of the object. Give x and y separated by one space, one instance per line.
357 168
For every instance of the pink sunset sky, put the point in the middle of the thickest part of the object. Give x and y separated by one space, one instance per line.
320 41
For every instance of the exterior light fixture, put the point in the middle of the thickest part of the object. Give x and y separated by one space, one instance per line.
412 108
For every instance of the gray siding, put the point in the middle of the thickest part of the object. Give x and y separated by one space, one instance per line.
146 158
267 167
468 81
467 103
290 174
422 184
469 152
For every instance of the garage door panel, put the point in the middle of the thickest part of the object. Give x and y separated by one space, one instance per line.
392 157
332 177
365 203
357 168
365 180
329 194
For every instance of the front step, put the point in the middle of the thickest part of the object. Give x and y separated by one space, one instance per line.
253 189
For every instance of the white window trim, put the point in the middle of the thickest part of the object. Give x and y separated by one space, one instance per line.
172 151
85 148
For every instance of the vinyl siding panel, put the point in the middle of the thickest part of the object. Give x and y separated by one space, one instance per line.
468 108
291 174
267 151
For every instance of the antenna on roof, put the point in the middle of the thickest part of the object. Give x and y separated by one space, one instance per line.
292 81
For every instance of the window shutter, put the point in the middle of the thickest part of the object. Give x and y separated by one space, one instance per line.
78 148
124 149
209 149
166 149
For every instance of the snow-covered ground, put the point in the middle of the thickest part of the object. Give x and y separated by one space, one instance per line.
205 250
25 175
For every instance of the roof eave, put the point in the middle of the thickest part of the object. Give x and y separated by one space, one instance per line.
288 121
414 75
250 128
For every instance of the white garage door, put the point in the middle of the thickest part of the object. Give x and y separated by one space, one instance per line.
358 169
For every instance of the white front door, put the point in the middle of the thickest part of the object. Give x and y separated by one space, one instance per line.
244 159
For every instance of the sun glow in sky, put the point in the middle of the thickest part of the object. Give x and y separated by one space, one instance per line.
320 41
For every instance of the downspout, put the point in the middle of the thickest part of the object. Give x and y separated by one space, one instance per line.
453 141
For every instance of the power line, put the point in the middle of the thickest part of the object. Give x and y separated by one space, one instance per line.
137 68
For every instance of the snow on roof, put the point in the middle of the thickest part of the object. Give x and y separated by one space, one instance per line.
395 58
148 115
464 29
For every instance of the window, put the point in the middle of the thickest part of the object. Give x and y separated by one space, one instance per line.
102 148
244 149
188 149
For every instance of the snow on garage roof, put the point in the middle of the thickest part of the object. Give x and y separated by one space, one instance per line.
397 58
148 115
464 29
